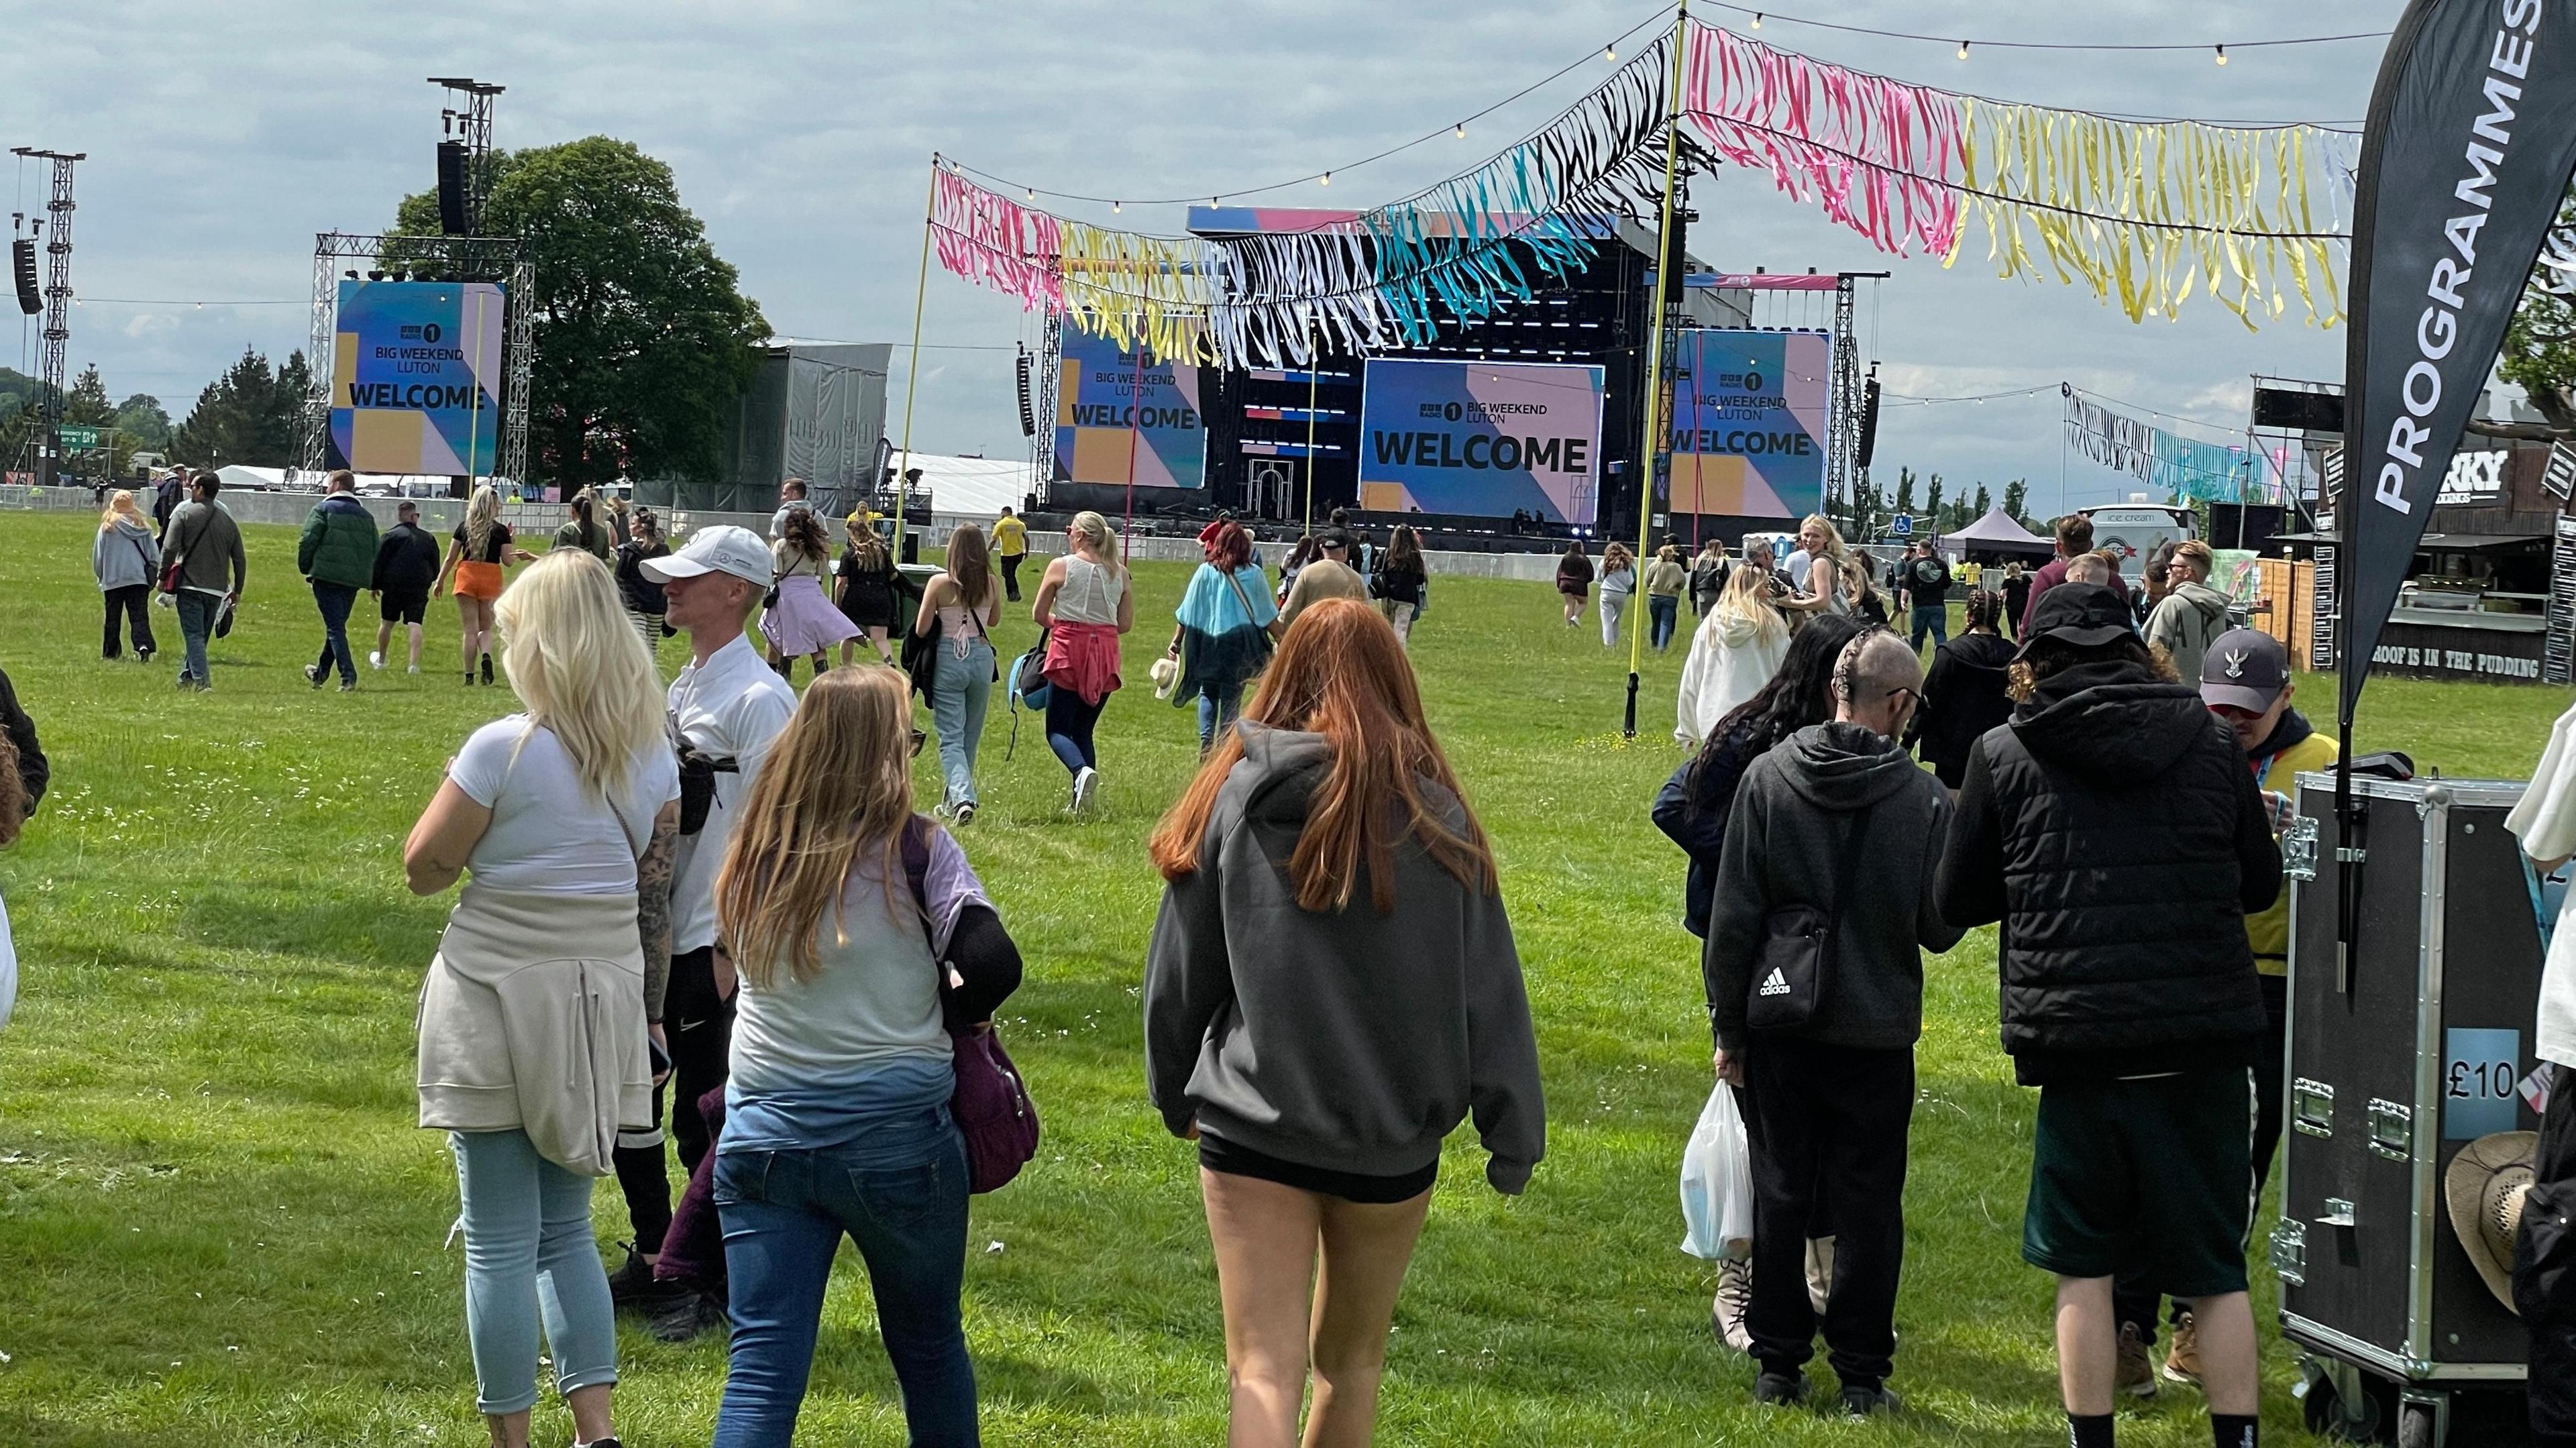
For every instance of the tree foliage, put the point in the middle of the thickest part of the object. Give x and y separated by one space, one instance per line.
2540 341
1904 502
642 338
250 415
2017 502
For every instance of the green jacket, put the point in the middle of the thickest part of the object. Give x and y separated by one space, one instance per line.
339 543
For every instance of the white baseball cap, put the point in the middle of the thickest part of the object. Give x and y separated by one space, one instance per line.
720 549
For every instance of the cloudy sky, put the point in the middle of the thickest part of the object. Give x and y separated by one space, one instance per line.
222 137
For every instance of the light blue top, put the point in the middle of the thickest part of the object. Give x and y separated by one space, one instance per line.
1210 605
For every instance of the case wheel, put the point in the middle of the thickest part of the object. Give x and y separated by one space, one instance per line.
2336 1402
2419 1425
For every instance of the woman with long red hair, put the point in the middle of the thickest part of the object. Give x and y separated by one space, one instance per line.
1331 989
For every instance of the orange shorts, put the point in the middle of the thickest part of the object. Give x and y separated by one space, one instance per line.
478 580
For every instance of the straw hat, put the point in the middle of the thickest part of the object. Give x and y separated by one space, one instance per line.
2484 1188
1166 674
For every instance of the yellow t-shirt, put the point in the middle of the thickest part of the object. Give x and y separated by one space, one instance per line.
1010 537
2269 932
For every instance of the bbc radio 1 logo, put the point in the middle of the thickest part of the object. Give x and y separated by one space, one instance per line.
422 332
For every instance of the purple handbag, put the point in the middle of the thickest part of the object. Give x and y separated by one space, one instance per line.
990 1102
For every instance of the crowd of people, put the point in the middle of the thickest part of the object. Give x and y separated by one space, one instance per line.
708 916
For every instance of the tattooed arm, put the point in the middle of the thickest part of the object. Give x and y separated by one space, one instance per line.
653 908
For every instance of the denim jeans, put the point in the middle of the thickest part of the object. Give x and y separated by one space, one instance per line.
1936 618
335 600
957 698
1662 609
529 1254
899 1191
1219 704
196 624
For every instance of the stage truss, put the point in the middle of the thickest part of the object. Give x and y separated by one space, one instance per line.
1049 366
450 258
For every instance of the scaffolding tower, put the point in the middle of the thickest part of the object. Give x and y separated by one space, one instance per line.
58 305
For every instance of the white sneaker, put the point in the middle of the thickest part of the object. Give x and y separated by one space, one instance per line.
1734 1299
966 813
375 659
1086 783
414 669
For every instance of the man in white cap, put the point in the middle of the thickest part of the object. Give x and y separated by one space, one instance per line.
727 707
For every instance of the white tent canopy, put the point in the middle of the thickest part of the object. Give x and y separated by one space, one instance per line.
973 487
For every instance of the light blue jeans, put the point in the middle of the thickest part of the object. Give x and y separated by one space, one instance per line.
1219 706
529 1254
958 694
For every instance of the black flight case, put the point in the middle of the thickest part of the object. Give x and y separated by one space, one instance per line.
2399 1058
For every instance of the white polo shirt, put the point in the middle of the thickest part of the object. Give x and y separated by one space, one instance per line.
730 707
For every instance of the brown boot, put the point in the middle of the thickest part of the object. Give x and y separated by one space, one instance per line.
2136 1376
2182 1362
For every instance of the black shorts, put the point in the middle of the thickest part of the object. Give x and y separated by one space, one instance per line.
2152 1173
404 605
1223 1156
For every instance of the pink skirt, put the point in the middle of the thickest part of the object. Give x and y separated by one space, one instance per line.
803 621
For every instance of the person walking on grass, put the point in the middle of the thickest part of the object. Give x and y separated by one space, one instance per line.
337 555
1224 631
1927 580
1085 605
1402 582
123 558
1010 545
1708 572
871 587
1692 810
1665 580
1733 654
724 709
2074 541
563 816
1966 693
801 621
2016 592
1331 987
1618 585
1835 827
406 569
480 549
2191 614
205 545
962 604
1299 555
1328 574
1574 580
2115 830
645 606
583 530
836 1119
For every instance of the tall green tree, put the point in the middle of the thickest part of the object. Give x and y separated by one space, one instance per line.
1932 500
2017 501
1904 490
86 404
249 415
642 337
1984 502
2540 342
143 418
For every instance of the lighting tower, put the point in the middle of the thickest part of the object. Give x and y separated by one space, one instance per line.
58 306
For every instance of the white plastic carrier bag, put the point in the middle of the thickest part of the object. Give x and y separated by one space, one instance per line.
1717 1182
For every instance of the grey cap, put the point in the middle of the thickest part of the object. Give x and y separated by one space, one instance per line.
2244 669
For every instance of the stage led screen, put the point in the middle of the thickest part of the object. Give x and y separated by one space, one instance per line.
1749 422
416 377
1482 438
1126 416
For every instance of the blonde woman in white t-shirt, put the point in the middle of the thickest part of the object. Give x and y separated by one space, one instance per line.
563 817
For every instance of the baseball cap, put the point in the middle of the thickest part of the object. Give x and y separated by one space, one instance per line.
2087 615
723 548
2244 669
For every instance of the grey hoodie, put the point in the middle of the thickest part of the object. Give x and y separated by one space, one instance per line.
1350 1041
1784 842
124 555
2187 621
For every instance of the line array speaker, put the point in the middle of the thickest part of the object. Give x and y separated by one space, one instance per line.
22 255
451 187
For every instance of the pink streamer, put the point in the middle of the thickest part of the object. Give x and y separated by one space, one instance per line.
994 241
1879 156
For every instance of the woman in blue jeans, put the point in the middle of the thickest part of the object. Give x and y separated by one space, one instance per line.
837 1111
1226 624
964 602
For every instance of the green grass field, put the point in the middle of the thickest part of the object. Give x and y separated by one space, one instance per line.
218 1224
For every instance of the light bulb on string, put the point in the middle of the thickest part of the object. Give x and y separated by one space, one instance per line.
2222 55
1462 130
1609 52
1963 50
1117 208
1324 180
1033 193
1757 19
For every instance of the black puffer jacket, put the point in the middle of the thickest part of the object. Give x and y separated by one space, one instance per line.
2113 828
1963 697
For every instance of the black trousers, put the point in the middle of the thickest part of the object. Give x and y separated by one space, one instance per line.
131 605
1834 1121
1011 575
700 1025
2135 1297
644 1181
2544 1268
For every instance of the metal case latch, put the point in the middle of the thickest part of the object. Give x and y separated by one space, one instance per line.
2299 848
2312 1107
2338 1213
2392 1130
2290 1251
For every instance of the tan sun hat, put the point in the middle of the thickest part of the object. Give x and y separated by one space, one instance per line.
2484 1188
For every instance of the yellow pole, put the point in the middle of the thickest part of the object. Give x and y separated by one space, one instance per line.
1655 358
912 378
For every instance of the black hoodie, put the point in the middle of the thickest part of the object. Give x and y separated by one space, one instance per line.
2114 829
1963 697
1784 844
